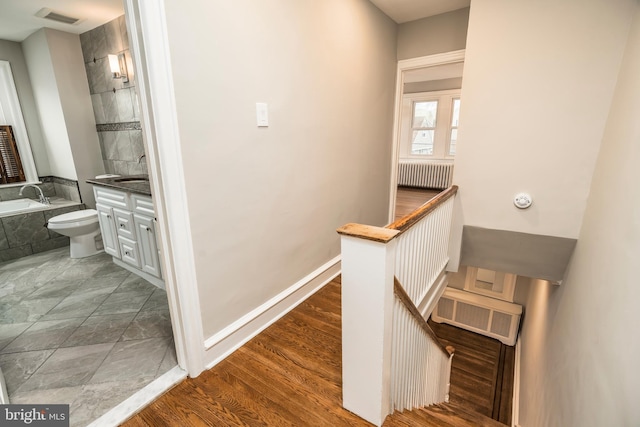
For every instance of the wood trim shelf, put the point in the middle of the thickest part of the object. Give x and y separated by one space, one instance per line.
368 232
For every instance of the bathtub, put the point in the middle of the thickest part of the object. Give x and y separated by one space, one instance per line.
11 207
23 227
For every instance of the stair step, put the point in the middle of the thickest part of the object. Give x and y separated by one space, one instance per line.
464 417
442 415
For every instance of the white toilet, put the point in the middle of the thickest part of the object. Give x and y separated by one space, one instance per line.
83 230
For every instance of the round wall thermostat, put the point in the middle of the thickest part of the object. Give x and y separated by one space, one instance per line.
522 200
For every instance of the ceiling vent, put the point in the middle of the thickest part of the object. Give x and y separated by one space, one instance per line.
47 13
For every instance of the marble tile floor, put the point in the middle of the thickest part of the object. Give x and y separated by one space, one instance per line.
80 331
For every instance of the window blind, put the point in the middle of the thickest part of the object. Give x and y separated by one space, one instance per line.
10 164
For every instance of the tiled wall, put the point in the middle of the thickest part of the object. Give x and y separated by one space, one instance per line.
115 103
51 187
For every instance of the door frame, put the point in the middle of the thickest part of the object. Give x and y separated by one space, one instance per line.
407 65
146 22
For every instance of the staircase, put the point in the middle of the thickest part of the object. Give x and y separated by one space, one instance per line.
392 277
393 365
481 384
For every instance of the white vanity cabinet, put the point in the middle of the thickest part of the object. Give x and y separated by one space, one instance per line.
127 223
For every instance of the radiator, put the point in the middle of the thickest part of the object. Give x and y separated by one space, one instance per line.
477 313
425 175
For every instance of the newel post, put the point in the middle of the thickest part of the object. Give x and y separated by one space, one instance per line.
368 259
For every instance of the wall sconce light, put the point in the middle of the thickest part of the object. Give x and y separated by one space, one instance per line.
118 67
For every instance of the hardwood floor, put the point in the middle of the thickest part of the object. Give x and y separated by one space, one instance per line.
409 198
289 375
481 373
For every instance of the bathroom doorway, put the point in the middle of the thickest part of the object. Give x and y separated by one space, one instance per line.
85 332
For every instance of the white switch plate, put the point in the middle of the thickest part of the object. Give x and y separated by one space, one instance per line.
262 114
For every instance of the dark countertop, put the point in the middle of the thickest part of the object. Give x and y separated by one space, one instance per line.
131 183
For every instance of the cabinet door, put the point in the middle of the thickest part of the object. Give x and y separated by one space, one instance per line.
108 230
146 232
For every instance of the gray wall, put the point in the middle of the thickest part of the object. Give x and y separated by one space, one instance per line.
52 185
436 34
433 85
116 113
264 203
580 346
512 70
12 52
43 76
530 255
74 98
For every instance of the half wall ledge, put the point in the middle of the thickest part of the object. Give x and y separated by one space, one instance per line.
524 254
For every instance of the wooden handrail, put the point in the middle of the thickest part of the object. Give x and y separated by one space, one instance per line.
407 221
406 301
396 228
368 232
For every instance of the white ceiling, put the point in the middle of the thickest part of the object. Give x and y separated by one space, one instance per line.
18 20
410 10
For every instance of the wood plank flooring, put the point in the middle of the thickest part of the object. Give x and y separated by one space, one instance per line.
289 375
409 198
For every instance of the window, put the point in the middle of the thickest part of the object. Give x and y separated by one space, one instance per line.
493 284
16 160
424 126
455 117
430 124
10 164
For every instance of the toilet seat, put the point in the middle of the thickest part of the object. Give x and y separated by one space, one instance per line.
83 230
82 217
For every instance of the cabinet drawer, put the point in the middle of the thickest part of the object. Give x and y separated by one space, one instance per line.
110 197
124 224
129 251
143 205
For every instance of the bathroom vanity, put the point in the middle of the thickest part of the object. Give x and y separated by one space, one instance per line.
128 226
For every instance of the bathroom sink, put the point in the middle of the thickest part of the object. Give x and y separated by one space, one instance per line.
132 179
138 183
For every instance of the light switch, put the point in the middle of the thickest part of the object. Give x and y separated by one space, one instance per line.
262 114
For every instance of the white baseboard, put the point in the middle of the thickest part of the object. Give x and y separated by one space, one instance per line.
515 405
141 399
4 396
225 342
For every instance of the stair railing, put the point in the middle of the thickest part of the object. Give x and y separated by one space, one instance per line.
391 360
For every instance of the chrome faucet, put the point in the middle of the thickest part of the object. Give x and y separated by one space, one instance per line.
41 198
